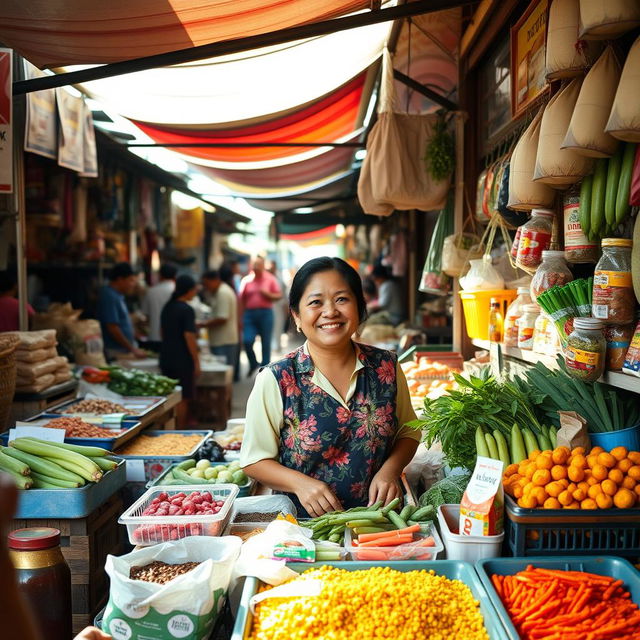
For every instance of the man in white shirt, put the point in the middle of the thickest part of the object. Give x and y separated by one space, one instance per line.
223 325
154 301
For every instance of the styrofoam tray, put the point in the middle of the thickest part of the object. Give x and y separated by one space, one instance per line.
148 530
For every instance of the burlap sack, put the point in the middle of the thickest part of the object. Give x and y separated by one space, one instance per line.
586 134
55 316
624 120
83 338
524 193
394 173
32 340
35 386
556 167
566 55
34 370
608 19
37 355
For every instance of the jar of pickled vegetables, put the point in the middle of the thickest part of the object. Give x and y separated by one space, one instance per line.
535 237
584 354
613 299
553 272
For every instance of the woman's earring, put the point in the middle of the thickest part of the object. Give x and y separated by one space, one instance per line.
298 329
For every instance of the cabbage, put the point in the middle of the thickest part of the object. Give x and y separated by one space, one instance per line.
449 490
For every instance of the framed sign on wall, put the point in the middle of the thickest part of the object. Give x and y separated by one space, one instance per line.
528 37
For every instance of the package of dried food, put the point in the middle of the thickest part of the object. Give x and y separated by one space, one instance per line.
632 359
578 248
535 237
614 301
618 339
552 272
157 593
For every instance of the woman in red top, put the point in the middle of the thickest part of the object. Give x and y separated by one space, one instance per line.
258 291
9 304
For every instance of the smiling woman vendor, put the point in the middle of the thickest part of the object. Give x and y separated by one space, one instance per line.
326 424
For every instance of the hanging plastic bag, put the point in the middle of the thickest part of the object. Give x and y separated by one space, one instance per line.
457 250
394 174
480 215
433 279
524 193
566 54
624 120
586 134
511 218
556 167
608 19
481 274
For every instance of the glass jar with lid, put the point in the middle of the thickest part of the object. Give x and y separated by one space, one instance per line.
613 299
584 354
526 326
44 579
535 237
513 314
553 271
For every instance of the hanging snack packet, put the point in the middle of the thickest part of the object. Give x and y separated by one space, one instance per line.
482 506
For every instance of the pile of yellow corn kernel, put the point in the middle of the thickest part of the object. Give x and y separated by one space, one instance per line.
377 603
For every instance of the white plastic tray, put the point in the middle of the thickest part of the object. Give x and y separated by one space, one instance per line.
148 530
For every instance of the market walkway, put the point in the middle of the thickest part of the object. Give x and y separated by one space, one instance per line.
242 388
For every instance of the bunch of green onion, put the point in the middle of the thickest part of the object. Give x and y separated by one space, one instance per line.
562 304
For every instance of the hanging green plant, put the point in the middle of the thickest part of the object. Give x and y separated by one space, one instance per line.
440 156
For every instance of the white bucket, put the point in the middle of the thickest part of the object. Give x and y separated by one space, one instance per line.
468 548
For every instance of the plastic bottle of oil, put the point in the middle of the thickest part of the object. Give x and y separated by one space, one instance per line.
496 322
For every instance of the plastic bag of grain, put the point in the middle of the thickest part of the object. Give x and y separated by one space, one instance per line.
624 120
557 167
34 370
32 340
55 316
35 386
608 19
83 339
586 134
35 355
566 55
524 193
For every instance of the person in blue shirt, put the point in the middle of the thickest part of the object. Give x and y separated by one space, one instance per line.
117 328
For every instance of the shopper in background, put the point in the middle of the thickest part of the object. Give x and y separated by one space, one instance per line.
280 308
117 328
9 304
155 299
258 291
390 298
179 348
223 324
227 276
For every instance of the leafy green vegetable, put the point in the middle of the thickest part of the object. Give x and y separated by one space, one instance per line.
440 156
449 490
134 382
452 419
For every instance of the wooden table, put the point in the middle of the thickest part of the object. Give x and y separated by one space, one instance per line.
164 416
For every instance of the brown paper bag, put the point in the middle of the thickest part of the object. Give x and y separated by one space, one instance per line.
573 431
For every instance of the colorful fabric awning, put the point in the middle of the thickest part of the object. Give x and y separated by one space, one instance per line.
329 119
56 33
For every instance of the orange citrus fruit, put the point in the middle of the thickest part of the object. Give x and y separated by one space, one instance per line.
576 474
599 472
634 472
624 465
565 498
594 491
596 450
552 503
579 495
558 472
607 460
634 456
609 487
604 501
624 499
589 503
629 483
544 461
616 475
619 453
560 455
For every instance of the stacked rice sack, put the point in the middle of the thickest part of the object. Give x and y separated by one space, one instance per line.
38 365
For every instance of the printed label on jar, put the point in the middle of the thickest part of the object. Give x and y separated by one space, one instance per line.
574 237
608 279
581 360
531 246
525 338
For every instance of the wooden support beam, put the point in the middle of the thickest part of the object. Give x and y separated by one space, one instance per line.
425 91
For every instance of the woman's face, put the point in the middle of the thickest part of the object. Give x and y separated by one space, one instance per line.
328 311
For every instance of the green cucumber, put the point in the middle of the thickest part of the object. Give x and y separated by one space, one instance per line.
397 520
481 444
503 449
585 205
44 466
61 484
11 464
553 436
530 441
184 477
598 190
424 514
392 505
407 511
493 447
613 180
623 188
186 464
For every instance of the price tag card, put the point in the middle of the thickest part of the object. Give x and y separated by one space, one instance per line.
26 430
135 471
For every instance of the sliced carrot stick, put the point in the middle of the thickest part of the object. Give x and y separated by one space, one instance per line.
366 537
387 542
371 555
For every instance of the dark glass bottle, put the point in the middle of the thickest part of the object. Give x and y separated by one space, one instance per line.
44 579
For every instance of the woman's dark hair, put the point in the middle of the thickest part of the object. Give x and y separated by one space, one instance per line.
226 275
318 265
184 284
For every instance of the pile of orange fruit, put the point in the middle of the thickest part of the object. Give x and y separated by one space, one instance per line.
572 479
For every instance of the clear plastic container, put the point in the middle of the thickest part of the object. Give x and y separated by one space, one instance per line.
535 237
409 551
151 529
545 336
586 347
527 325
614 301
514 312
553 271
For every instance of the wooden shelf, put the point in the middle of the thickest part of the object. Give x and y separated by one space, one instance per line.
614 378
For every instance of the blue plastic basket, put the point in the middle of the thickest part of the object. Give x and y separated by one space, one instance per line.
606 566
564 532
452 569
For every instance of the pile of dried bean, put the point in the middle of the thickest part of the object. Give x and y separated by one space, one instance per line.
78 428
93 405
160 572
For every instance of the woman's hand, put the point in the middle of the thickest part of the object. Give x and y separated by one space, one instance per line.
92 633
384 487
316 497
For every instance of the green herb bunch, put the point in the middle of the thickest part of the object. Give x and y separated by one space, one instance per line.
440 155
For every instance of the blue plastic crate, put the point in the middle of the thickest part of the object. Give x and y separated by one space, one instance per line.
618 568
562 532
452 569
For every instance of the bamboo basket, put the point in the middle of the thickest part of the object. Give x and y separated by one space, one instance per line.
8 346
